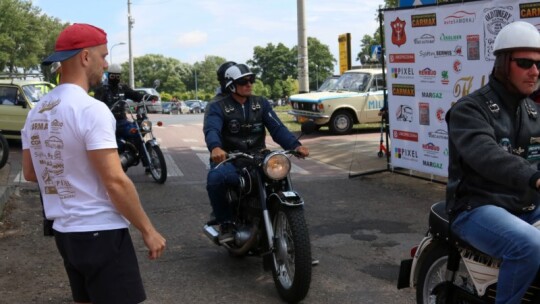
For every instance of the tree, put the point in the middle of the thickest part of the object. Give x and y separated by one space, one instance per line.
368 41
273 63
25 36
320 62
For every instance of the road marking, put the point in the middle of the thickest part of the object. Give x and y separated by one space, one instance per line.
190 140
172 168
20 178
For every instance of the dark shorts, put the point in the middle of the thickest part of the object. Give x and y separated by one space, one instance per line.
102 266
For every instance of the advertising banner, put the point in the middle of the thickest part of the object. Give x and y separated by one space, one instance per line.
435 56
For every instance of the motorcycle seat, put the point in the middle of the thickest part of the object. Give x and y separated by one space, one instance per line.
439 225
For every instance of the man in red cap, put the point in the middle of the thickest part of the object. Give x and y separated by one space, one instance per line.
69 148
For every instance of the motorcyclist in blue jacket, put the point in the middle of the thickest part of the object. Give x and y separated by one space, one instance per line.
238 122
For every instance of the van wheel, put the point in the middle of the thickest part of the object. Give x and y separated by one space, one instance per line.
341 123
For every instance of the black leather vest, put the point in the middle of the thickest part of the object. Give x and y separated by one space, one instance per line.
111 95
243 127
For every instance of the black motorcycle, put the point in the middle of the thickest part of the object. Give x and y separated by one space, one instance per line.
445 269
142 148
269 220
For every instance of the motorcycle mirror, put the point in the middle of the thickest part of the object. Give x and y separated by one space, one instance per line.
157 82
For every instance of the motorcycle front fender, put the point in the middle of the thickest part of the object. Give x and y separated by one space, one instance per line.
287 198
152 142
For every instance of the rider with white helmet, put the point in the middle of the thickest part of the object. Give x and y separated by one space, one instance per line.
494 159
238 122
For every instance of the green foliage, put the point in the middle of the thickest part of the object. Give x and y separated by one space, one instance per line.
26 36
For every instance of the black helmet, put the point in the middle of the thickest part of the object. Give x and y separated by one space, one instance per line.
221 71
234 73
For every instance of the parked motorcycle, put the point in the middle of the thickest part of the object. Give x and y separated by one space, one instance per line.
269 219
445 269
144 148
4 150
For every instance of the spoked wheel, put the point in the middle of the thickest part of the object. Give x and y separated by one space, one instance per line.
158 168
292 255
432 277
4 151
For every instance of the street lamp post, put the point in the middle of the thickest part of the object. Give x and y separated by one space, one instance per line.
110 51
317 71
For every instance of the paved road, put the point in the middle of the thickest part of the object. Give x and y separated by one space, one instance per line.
360 227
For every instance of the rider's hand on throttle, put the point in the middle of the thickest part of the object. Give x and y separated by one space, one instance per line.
218 155
302 151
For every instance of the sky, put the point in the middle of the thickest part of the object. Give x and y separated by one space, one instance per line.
189 30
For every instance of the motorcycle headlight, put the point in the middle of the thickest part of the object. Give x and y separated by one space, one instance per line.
146 125
276 166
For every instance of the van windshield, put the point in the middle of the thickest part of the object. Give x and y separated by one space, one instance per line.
354 82
34 92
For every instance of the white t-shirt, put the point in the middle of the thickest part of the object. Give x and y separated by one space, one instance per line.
65 124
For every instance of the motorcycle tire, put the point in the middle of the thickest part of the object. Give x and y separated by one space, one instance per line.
291 259
4 151
158 169
432 273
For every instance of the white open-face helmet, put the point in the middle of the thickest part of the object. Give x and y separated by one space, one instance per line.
517 35
114 69
234 73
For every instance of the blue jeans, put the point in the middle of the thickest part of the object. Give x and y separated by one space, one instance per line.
218 181
508 237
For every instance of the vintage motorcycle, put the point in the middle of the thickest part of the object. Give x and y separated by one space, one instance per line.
445 269
269 220
142 148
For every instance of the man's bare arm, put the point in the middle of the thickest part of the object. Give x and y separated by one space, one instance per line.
28 167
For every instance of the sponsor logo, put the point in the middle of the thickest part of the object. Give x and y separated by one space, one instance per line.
473 47
460 17
402 58
424 20
427 75
444 78
431 148
529 10
457 51
398 32
438 134
54 143
40 126
404 113
495 18
403 89
431 164
425 39
440 114
445 37
434 95
423 108
457 66
56 125
405 135
408 154
402 72
375 104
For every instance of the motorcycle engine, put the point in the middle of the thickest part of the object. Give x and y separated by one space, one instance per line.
127 159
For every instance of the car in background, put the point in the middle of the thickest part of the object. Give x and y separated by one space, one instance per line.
17 98
195 106
153 106
356 97
166 107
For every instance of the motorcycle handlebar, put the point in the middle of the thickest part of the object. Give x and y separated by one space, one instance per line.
235 155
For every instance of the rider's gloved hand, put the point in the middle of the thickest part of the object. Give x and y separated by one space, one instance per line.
302 151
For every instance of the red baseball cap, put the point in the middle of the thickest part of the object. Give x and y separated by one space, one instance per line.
73 39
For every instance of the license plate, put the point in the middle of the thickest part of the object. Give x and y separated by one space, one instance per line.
302 119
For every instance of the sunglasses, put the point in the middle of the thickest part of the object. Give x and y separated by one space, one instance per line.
245 80
526 63
114 76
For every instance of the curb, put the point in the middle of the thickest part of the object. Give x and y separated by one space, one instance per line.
6 189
